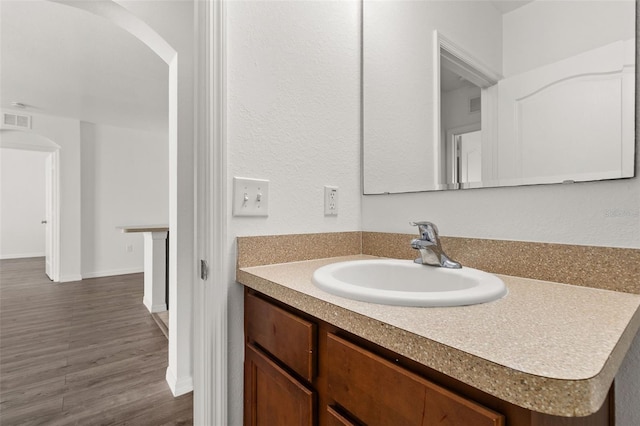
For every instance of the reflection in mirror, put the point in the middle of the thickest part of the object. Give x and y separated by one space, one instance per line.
465 94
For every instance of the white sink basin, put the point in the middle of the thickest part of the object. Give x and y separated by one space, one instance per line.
405 283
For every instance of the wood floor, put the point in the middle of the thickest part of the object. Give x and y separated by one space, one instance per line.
85 352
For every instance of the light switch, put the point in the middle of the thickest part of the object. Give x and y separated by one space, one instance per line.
250 197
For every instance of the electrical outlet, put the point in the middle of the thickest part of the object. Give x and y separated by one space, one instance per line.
250 197
129 248
330 200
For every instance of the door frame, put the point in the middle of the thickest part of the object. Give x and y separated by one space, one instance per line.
454 57
210 399
53 215
43 144
451 153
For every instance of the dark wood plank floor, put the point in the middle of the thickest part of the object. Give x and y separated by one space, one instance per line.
85 352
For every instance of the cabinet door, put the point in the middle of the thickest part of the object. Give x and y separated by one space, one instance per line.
336 419
272 396
379 392
284 335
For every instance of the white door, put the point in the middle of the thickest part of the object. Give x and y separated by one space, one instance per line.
49 217
569 120
470 146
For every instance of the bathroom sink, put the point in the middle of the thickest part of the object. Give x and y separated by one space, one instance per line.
405 283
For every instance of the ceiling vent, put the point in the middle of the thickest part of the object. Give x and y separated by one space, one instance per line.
16 121
474 105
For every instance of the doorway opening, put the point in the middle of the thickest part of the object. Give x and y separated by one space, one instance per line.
463 105
464 155
46 163
178 374
133 19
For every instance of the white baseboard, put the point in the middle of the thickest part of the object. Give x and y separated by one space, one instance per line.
179 386
154 308
69 278
113 272
21 255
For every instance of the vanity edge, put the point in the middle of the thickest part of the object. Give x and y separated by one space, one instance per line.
558 397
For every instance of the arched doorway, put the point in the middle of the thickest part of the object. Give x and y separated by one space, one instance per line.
168 36
179 371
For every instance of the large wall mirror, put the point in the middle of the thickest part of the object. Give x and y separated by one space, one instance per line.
465 94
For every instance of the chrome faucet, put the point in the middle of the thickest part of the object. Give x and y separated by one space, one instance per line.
428 244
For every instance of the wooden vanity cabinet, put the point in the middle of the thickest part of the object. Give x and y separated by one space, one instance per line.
280 365
336 419
377 391
300 370
272 396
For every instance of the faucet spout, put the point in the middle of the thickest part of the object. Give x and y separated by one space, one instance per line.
428 245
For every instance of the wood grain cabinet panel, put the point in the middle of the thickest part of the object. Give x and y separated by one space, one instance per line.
287 337
295 363
272 396
379 392
336 419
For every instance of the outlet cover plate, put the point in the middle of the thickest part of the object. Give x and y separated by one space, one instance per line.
330 200
250 197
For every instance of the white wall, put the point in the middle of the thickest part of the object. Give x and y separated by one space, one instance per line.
22 203
536 34
64 132
293 114
109 176
125 181
595 213
293 118
455 108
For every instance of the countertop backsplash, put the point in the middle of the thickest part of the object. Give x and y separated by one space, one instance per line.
607 268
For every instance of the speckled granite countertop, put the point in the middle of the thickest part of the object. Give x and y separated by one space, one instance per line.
547 347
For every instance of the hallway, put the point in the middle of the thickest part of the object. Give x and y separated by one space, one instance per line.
85 352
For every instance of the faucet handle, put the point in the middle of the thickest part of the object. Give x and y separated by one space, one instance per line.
428 230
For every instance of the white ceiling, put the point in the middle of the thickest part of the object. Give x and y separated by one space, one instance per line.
64 61
506 6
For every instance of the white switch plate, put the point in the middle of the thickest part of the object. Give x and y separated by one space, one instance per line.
330 200
250 197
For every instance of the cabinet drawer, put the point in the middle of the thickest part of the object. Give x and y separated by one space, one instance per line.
273 396
379 392
284 335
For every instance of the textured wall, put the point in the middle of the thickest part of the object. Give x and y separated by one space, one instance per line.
293 118
293 115
595 213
